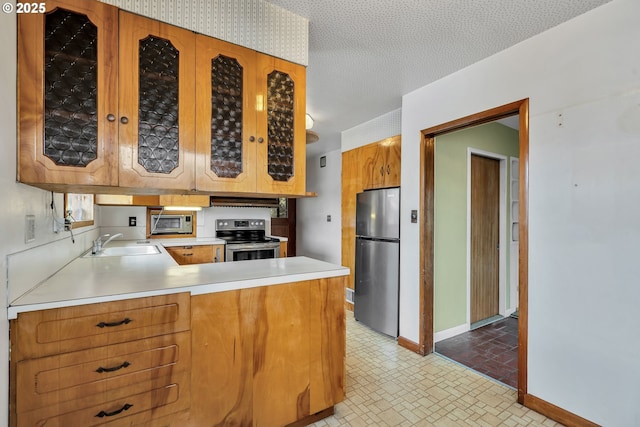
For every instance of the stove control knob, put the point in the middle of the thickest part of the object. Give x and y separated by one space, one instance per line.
261 223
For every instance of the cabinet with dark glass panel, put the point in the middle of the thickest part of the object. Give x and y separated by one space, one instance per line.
156 104
112 102
249 122
67 95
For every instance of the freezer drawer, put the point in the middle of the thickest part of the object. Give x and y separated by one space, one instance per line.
377 284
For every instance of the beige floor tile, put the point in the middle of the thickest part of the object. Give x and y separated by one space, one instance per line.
388 385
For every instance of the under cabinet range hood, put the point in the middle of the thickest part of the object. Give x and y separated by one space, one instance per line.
244 202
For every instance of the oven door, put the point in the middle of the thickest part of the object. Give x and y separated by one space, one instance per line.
245 252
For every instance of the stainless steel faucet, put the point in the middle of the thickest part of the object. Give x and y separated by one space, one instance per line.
98 245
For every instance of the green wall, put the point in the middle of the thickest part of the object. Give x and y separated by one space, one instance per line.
450 254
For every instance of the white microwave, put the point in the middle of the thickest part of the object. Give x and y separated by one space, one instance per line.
170 223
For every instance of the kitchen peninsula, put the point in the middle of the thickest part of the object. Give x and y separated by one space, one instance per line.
138 338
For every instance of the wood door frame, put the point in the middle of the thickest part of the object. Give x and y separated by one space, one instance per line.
427 191
502 225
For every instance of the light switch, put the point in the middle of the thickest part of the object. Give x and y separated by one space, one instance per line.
328 218
414 216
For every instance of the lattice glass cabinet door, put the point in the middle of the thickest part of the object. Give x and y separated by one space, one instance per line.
281 118
225 116
157 104
67 100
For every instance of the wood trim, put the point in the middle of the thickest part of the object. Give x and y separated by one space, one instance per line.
556 413
477 119
410 345
427 188
523 247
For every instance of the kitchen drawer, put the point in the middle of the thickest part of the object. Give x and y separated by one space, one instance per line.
199 254
133 410
61 330
118 370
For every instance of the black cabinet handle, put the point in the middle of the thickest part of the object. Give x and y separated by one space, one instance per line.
111 325
191 254
103 414
388 169
381 170
261 140
252 138
115 368
124 120
111 117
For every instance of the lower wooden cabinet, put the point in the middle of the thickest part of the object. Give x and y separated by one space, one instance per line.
196 254
276 354
136 380
264 356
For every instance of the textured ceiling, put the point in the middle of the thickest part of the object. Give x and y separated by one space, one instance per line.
365 54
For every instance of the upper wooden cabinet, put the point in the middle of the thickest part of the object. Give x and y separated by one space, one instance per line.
157 65
68 94
249 121
112 99
381 164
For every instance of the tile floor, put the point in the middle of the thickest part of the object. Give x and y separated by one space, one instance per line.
388 385
491 350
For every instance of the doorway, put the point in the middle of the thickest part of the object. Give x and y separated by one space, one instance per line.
283 223
427 183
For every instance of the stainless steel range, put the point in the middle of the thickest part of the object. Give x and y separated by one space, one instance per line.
246 239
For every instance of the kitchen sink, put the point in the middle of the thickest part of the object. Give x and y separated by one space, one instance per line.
124 251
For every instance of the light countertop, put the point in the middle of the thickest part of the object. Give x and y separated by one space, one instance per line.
88 280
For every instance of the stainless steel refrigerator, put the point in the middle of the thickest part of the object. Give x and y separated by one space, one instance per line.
378 259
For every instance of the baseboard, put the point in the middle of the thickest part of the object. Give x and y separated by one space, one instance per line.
556 413
313 418
508 312
451 332
411 346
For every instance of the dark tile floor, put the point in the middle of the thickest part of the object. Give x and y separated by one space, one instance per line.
491 350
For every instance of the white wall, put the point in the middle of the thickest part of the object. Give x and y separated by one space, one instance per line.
583 81
115 219
256 24
315 237
384 126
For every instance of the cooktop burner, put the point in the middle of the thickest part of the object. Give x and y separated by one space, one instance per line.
242 231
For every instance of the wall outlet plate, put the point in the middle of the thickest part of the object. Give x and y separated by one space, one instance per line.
29 228
132 221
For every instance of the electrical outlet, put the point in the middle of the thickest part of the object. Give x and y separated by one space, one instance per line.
29 228
328 218
132 221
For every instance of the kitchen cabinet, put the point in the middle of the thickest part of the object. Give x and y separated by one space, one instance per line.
375 165
68 95
119 112
283 249
157 87
126 362
196 254
279 353
249 121
381 164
